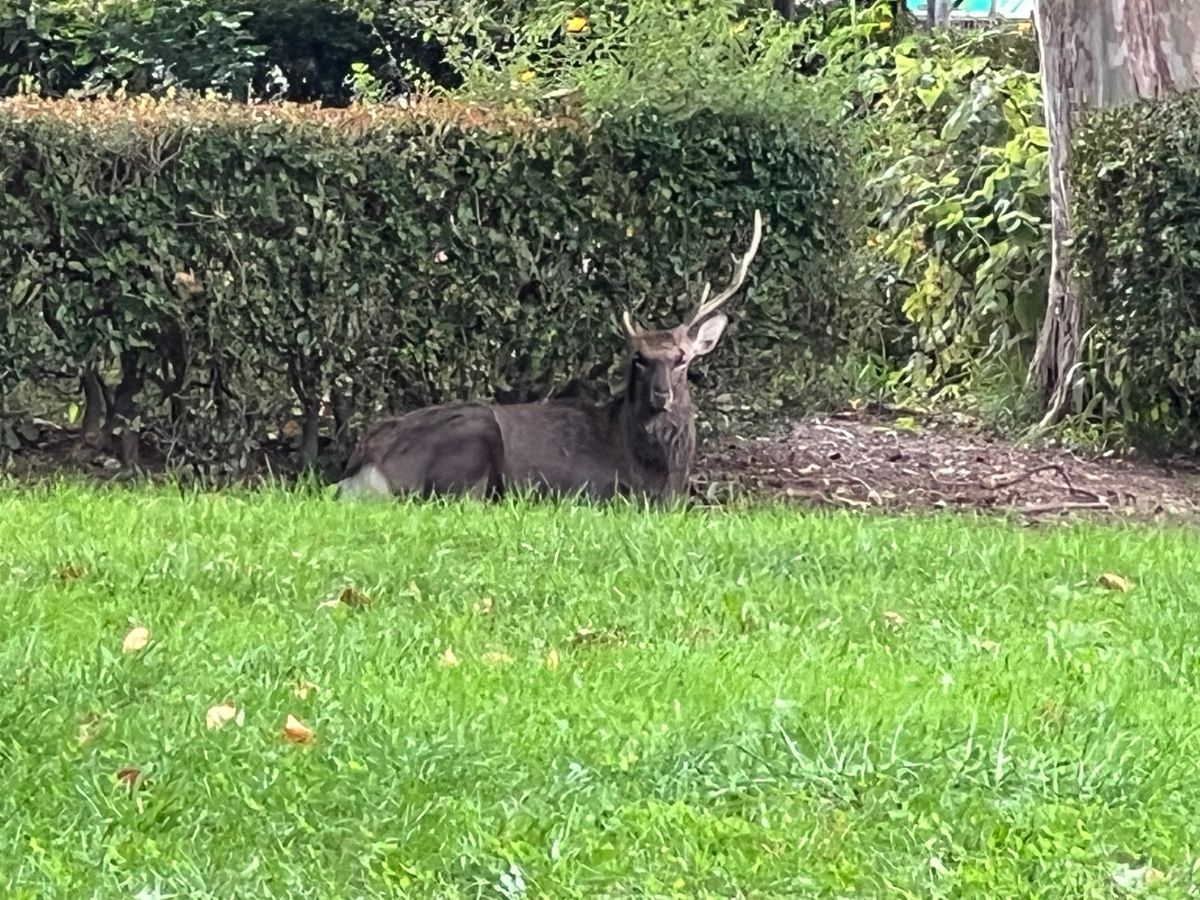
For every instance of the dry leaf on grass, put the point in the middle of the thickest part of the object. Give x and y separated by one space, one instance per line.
130 776
893 619
303 688
221 715
1113 582
136 640
484 605
71 572
587 635
448 658
552 658
297 732
89 727
348 596
1134 879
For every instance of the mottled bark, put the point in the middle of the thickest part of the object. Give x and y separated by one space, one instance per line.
1096 54
1064 59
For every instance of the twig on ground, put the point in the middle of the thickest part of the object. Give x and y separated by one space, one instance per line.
1036 509
835 497
1060 469
873 495
1011 479
840 432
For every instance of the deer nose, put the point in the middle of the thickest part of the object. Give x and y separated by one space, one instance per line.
660 399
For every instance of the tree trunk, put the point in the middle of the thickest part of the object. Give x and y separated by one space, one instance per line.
1058 343
94 410
123 412
1096 54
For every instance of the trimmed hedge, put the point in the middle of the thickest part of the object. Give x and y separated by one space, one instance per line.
187 271
1136 181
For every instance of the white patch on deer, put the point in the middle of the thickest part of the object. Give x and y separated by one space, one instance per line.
369 481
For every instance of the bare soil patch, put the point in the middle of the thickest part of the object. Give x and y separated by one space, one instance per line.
874 460
897 462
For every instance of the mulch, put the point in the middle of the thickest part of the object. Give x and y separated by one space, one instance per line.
896 462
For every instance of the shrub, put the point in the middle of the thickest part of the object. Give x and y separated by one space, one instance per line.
955 176
300 51
964 209
181 268
55 47
1136 214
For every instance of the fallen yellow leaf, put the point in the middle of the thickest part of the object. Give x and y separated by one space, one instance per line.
136 640
1113 582
552 658
448 658
893 619
576 24
297 732
485 605
130 776
222 715
527 75
302 689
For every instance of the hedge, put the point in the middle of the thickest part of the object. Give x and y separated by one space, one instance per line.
186 272
1136 214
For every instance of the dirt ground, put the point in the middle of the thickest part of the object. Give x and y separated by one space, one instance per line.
878 460
891 461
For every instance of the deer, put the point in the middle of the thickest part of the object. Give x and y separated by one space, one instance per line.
641 443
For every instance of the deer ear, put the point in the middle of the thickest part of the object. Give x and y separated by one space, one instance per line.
705 335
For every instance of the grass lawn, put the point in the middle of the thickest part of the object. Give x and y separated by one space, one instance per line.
756 703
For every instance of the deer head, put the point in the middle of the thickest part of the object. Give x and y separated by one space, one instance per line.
659 359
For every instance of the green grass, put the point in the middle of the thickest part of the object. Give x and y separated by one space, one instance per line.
771 704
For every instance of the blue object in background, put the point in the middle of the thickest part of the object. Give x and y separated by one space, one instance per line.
997 9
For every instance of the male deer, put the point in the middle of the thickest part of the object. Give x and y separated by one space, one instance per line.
642 442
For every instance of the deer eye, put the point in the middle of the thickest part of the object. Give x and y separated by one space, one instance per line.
640 362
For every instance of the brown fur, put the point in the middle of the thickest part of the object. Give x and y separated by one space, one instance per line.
640 443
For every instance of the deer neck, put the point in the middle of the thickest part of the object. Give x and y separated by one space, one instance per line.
660 445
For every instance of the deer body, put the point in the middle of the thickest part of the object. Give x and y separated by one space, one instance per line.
553 447
642 442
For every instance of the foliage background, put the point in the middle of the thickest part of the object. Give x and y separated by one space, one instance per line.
917 251
188 271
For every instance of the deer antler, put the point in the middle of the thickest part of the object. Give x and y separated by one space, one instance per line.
707 307
629 326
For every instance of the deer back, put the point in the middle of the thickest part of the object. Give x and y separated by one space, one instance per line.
565 447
